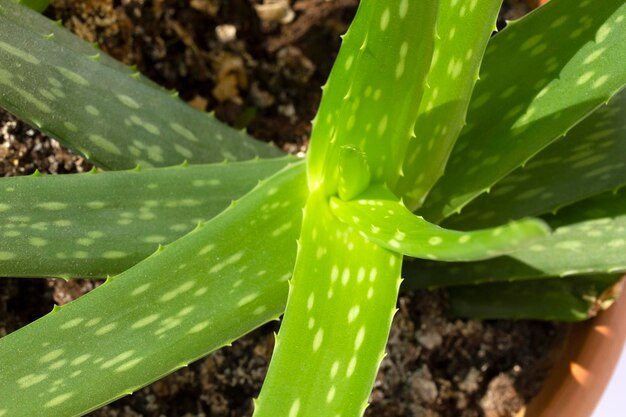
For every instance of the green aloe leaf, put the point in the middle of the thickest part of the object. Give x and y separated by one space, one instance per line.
464 28
385 54
590 160
589 238
99 224
189 298
540 76
564 299
96 106
37 5
607 205
341 302
379 216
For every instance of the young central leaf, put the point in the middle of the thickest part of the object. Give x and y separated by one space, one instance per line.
371 99
354 173
464 29
344 289
341 303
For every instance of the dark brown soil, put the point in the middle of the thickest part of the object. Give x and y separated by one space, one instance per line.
24 150
267 78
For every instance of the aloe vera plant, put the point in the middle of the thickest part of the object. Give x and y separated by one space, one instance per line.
402 143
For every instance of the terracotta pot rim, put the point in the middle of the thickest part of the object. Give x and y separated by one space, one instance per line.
583 370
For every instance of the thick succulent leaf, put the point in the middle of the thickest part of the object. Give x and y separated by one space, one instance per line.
379 216
38 5
341 302
99 224
589 237
195 295
372 96
354 173
96 106
607 205
540 77
564 299
590 160
464 28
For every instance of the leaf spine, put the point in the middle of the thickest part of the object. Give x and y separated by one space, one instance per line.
64 277
364 43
